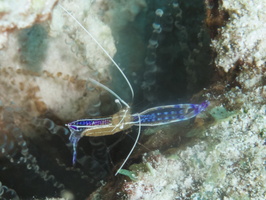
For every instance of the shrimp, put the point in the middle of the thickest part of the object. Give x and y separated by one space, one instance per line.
123 119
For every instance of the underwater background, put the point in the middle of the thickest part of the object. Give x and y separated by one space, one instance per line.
172 52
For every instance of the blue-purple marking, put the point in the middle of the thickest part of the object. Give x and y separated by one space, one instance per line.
169 114
151 117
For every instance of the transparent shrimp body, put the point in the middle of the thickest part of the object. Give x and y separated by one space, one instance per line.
98 127
102 126
169 114
123 120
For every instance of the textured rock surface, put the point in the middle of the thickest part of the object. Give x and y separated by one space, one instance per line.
242 38
22 14
227 160
54 59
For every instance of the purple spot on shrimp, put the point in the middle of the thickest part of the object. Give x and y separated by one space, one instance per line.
204 105
73 127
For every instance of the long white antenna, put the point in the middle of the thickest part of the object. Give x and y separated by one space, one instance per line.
136 141
106 88
109 90
106 53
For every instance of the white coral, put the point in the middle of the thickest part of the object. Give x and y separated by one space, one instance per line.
243 36
69 59
22 14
